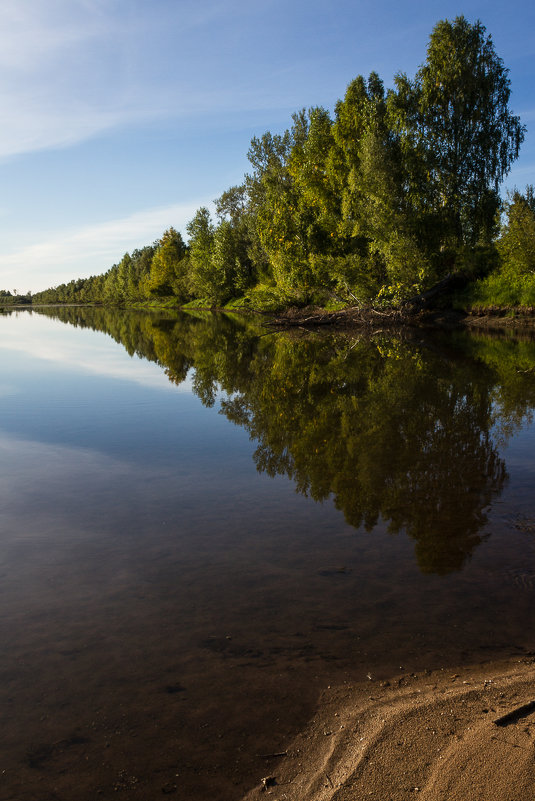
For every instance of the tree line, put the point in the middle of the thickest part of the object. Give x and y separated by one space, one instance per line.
373 204
8 298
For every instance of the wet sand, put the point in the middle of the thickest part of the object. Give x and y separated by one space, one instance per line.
433 736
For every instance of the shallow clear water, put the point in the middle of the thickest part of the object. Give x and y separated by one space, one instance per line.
203 523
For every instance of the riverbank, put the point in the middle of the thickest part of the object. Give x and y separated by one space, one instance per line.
367 317
456 734
496 318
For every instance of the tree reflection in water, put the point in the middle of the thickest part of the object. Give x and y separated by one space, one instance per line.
393 426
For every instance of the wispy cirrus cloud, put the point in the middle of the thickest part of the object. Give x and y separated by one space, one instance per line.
46 80
71 69
89 250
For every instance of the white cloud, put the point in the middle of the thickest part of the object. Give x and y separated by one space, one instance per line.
43 51
90 250
70 69
33 30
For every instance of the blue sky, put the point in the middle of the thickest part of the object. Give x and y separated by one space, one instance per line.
121 117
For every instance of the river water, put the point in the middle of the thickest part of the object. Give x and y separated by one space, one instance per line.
205 522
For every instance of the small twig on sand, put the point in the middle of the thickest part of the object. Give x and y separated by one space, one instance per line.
330 781
273 756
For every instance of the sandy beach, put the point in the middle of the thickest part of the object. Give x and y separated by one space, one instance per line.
466 735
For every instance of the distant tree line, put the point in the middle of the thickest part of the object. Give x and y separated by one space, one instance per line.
8 298
398 190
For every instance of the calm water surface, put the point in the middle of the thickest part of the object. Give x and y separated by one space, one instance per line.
204 523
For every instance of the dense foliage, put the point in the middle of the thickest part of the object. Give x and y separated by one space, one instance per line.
512 284
396 191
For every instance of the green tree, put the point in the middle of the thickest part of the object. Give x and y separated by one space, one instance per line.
380 252
230 269
201 243
124 273
139 272
111 291
458 134
234 245
167 270
295 210
517 242
272 194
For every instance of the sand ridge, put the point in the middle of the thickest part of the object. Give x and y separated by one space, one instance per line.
430 736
